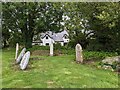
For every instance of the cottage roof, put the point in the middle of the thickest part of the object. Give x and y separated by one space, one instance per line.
55 36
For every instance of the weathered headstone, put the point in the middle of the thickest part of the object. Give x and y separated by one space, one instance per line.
20 56
79 56
17 48
51 49
25 60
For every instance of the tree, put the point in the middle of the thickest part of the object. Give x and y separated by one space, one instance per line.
76 22
104 23
29 18
95 25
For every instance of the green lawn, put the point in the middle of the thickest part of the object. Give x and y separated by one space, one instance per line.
54 72
0 69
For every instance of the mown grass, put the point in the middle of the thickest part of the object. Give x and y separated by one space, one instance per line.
0 68
54 72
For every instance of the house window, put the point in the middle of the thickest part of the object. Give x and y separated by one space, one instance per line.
47 37
47 43
66 37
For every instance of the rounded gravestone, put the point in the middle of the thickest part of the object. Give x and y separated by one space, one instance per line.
21 55
25 60
79 56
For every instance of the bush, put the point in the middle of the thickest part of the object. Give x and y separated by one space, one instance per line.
80 38
37 47
88 55
108 46
58 46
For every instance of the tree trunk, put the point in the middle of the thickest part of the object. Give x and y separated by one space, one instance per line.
27 36
30 29
28 42
5 44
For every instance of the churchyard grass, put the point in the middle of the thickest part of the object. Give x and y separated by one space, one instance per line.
56 72
0 68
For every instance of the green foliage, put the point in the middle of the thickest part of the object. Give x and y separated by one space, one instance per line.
84 21
6 35
37 47
29 18
80 38
99 19
87 55
17 38
57 46
104 23
94 55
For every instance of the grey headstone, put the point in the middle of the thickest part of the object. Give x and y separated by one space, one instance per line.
51 49
25 60
21 55
17 48
79 56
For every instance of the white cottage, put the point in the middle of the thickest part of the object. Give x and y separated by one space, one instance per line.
49 37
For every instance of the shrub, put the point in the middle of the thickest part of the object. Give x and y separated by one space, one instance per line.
88 55
58 46
37 47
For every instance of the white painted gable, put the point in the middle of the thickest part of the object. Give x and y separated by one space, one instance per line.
47 40
49 37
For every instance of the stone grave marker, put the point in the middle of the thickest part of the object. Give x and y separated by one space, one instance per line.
79 56
17 48
25 60
20 55
51 49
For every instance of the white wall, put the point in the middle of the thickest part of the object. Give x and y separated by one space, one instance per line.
62 43
49 40
66 40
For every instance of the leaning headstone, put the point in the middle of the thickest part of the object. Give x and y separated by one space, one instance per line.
51 49
79 56
20 56
25 60
17 48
